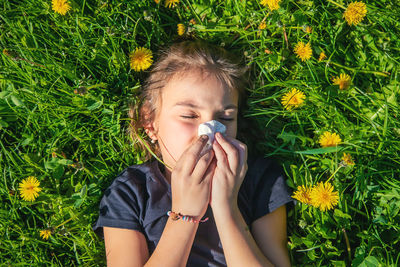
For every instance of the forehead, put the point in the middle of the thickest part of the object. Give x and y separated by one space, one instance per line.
200 87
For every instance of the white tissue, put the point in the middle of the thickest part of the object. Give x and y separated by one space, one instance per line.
209 128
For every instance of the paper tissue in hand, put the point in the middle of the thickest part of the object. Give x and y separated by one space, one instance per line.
209 128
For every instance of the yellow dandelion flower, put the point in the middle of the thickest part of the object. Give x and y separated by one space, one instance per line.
303 51
45 234
262 25
347 159
303 194
328 139
355 13
181 29
322 56
171 3
293 99
272 4
141 59
343 80
60 6
308 29
29 188
323 197
157 1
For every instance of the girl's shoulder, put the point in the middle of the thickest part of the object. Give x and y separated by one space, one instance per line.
123 203
135 177
132 174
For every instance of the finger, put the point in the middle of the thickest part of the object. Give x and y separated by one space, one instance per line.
241 147
243 154
190 156
209 174
231 151
220 155
208 177
202 166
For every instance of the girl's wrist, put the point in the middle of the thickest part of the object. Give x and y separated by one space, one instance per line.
175 216
224 210
195 213
225 203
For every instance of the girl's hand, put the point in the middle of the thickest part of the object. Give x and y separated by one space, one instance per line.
191 180
231 158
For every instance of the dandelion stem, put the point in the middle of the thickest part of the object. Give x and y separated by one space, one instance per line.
380 73
340 166
63 223
339 5
347 244
286 38
193 11
358 211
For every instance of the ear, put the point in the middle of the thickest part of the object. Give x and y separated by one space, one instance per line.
150 130
150 126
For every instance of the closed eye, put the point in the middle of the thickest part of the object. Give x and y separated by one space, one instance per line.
189 117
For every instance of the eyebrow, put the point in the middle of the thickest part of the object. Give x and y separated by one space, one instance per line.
194 105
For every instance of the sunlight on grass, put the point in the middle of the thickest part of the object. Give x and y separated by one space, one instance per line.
68 74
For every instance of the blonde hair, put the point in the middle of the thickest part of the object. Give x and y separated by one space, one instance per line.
178 58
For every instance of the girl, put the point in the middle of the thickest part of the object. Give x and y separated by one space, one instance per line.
197 209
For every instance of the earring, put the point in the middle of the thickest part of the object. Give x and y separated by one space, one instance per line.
153 141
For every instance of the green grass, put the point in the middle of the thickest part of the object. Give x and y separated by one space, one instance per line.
66 84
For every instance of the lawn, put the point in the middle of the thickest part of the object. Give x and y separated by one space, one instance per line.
66 83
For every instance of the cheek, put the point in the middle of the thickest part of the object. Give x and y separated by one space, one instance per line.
231 129
177 136
184 130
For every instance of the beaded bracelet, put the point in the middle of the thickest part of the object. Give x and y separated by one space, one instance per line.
176 216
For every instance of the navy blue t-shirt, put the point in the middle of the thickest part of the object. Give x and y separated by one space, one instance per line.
140 197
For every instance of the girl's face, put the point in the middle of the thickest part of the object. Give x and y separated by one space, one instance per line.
188 100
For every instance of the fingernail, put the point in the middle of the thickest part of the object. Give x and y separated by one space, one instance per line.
204 137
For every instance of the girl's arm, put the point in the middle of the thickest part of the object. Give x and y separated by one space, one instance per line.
125 247
267 248
128 248
270 235
240 248
190 188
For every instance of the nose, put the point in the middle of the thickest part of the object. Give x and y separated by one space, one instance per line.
210 118
205 118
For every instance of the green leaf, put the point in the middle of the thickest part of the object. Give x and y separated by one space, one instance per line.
27 141
338 263
3 124
92 105
339 214
55 162
65 161
288 137
16 101
58 172
370 261
319 150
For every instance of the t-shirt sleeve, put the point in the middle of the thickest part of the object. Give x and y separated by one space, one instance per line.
119 206
270 189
